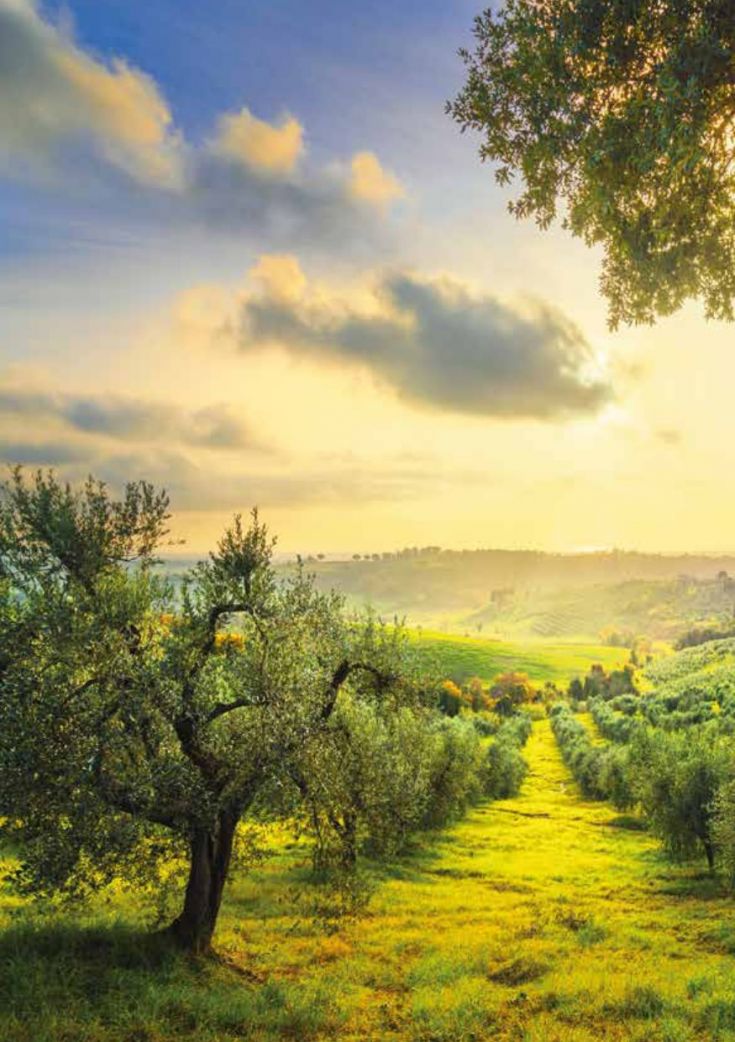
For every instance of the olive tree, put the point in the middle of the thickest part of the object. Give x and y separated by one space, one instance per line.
387 769
621 115
676 778
133 726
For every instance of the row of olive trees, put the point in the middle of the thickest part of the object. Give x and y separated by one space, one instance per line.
137 730
601 772
380 771
683 782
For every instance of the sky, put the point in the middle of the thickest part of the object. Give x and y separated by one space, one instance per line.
246 255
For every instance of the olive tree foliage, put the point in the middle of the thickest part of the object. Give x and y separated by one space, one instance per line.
723 828
388 768
130 730
676 778
620 114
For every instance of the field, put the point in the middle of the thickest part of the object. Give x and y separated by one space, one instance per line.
545 919
462 657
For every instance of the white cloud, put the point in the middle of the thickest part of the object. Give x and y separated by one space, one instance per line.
70 118
52 95
266 148
371 183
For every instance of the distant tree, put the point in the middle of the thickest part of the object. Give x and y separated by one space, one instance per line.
515 688
356 557
320 557
600 684
478 696
595 682
621 115
550 693
134 728
615 637
575 691
452 698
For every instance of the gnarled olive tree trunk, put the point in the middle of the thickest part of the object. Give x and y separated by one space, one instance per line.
211 852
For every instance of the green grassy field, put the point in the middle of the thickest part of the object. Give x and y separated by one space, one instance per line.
544 918
463 657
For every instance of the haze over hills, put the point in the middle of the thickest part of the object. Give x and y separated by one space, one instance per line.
529 594
506 593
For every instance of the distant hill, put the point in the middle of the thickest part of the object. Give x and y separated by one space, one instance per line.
525 594
522 595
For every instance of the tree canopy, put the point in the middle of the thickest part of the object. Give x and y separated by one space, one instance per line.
132 729
618 116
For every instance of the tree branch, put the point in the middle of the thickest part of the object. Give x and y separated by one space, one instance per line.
343 671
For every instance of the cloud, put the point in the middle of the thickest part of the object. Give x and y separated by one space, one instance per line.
53 95
192 487
435 343
195 487
66 113
41 453
125 419
308 206
261 146
281 276
370 183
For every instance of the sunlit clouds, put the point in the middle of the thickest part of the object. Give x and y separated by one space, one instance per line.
301 291
68 116
53 95
429 339
266 148
371 183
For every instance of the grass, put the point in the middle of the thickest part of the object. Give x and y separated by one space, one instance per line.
537 919
463 657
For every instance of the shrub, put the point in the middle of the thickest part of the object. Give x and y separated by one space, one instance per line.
505 769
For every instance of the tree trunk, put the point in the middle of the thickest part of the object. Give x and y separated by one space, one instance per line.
709 851
211 851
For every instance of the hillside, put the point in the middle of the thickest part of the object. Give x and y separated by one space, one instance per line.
459 657
524 595
516 595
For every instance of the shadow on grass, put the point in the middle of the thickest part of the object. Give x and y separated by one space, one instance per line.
629 822
112 984
697 885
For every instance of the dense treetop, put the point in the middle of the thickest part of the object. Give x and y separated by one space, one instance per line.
617 115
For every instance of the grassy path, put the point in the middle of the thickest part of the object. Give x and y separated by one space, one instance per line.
538 919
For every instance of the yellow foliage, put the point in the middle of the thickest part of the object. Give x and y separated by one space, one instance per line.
515 686
229 641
